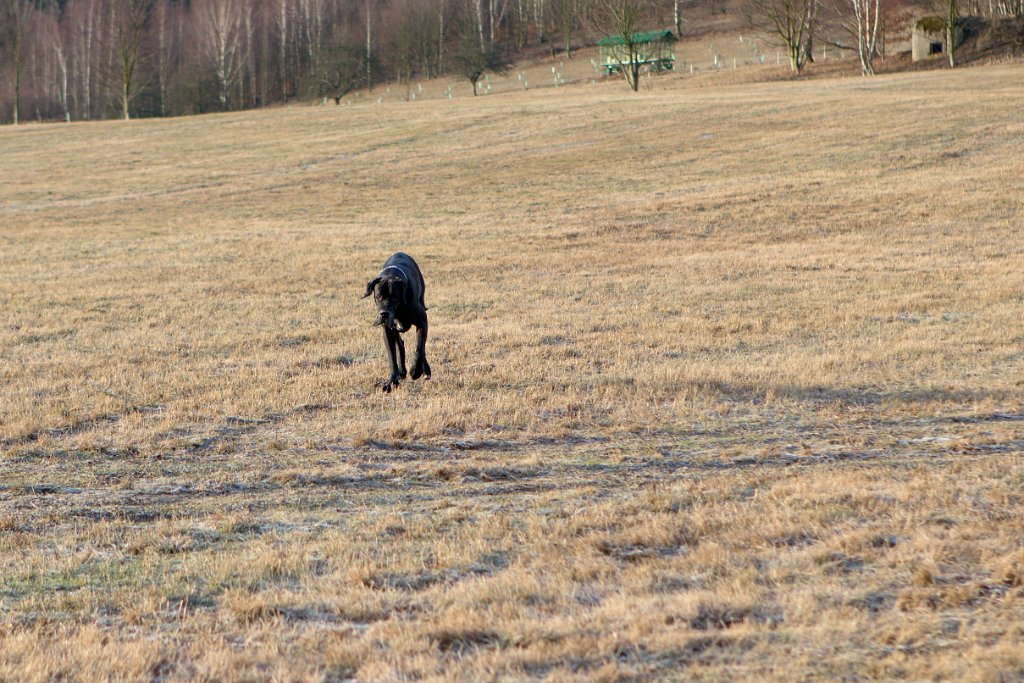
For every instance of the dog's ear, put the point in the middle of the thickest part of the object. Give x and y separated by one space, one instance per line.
370 285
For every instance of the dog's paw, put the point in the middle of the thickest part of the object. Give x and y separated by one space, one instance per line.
421 369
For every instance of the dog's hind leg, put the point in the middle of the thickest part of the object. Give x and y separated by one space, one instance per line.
420 366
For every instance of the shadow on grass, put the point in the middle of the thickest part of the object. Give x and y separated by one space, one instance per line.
860 397
78 426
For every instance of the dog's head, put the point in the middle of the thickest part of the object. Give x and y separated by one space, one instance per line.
389 293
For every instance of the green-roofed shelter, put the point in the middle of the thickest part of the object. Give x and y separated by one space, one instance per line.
652 47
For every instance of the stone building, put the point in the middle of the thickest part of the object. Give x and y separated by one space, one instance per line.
929 38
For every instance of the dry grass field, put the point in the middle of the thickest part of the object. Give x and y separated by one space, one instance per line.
728 385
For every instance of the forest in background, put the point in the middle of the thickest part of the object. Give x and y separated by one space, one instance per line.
93 59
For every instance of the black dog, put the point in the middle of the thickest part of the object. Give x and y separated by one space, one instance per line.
398 292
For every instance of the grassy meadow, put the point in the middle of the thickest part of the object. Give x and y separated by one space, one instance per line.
728 385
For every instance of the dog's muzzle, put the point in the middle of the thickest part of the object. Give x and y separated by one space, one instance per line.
389 321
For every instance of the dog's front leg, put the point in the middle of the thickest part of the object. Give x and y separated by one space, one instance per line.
420 366
401 354
391 341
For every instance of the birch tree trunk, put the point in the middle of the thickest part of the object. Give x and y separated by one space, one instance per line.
951 32
221 28
129 28
479 6
369 51
62 92
162 54
282 32
250 56
312 24
490 20
16 16
440 36
866 13
87 58
792 21
17 44
496 10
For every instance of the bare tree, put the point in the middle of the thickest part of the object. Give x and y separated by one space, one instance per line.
478 7
369 45
812 25
281 16
863 21
163 51
473 63
50 35
16 14
62 91
496 10
521 23
623 21
564 17
80 20
313 22
411 31
219 26
539 21
867 14
792 21
130 20
341 70
441 36
399 26
951 31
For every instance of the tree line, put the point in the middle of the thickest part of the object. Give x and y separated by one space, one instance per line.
93 59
